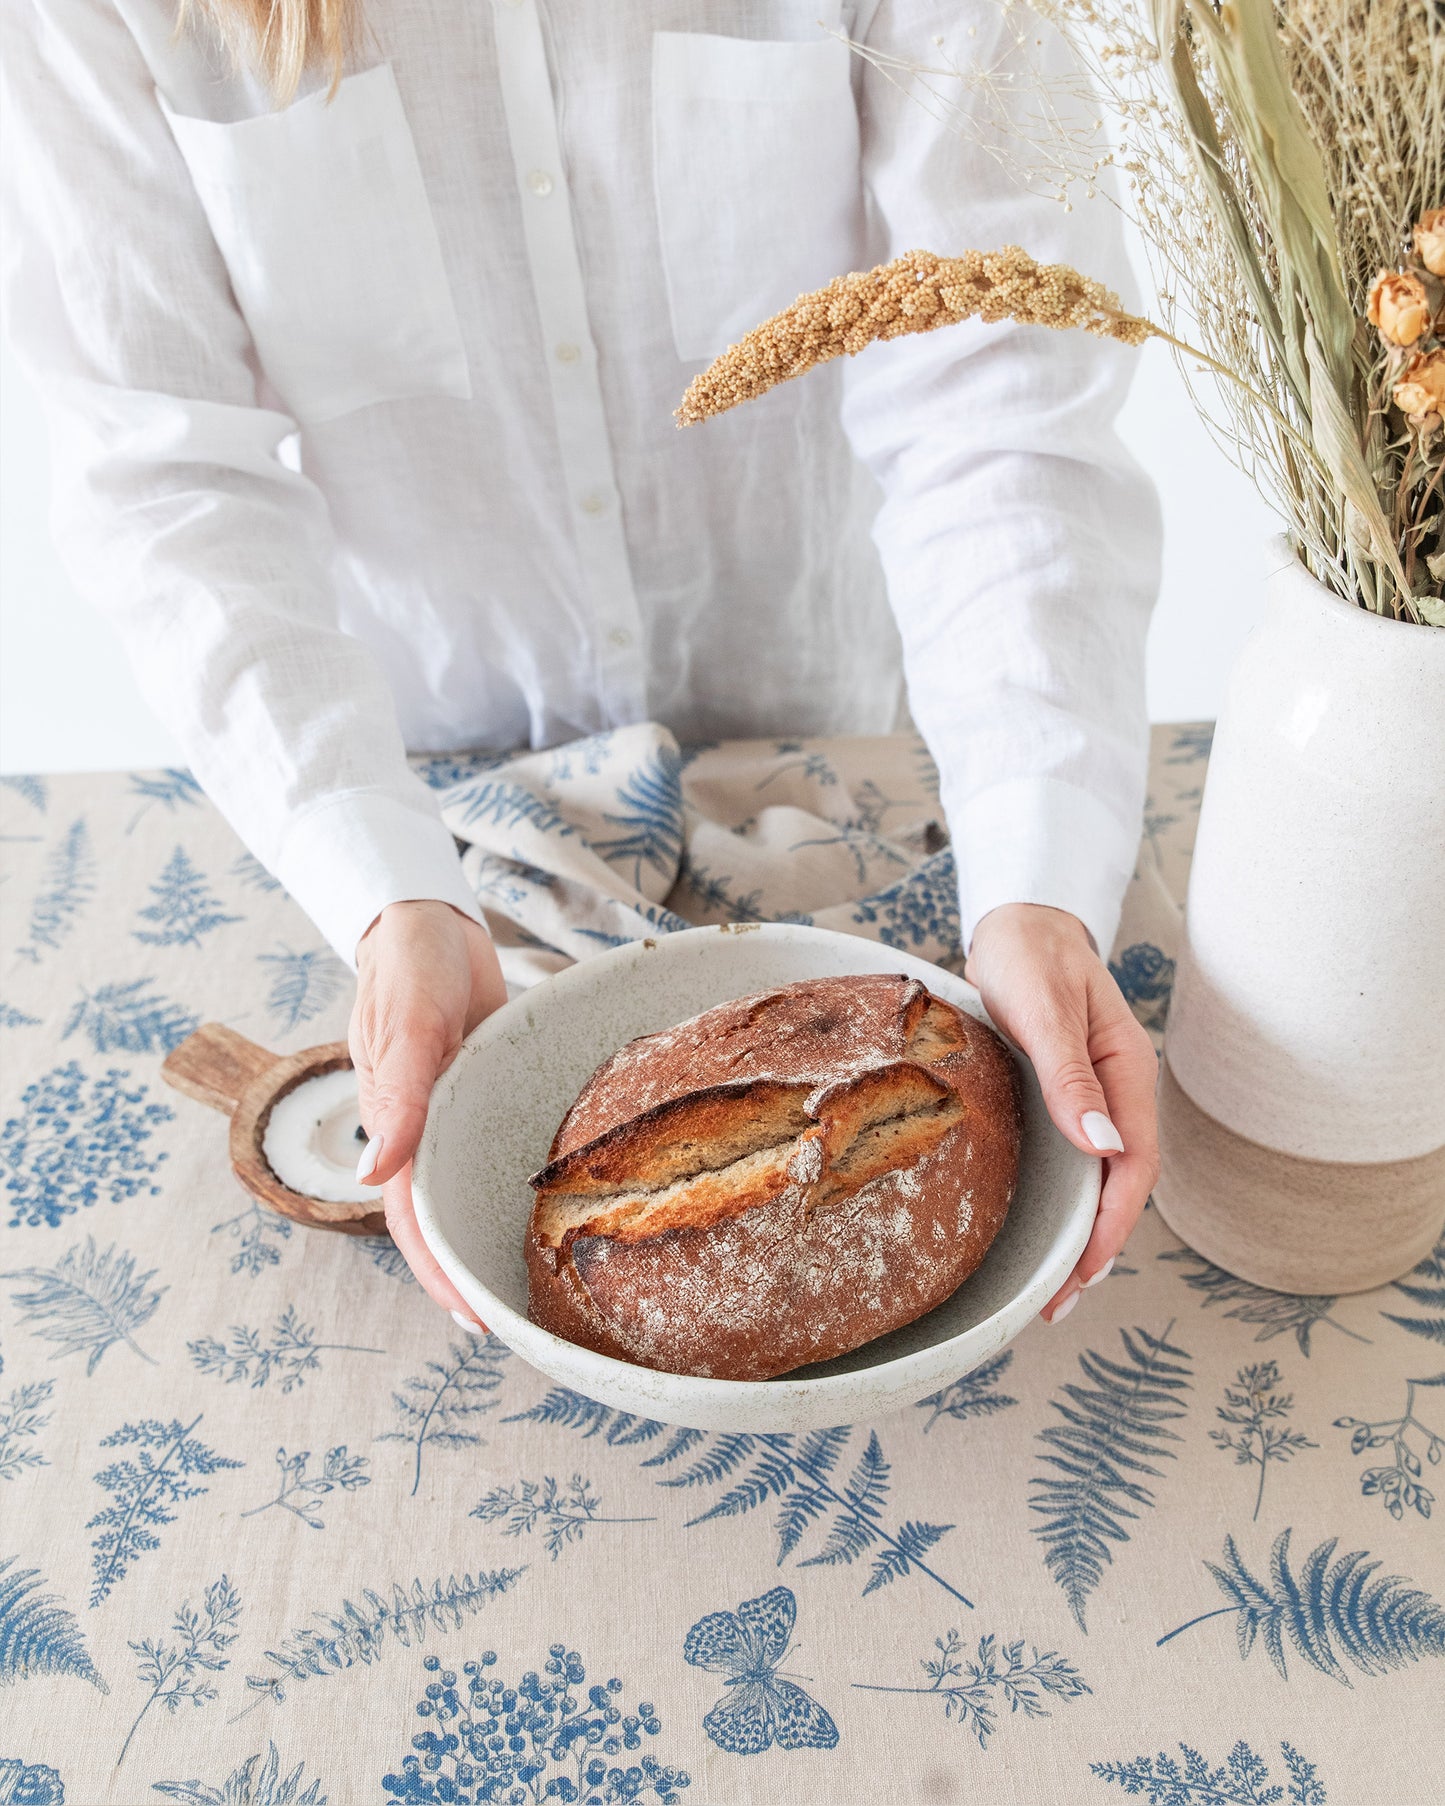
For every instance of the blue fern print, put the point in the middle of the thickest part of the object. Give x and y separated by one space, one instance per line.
37 1633
169 1462
385 1256
30 1783
360 1633
1114 1429
10 1017
759 1707
1398 1483
171 787
536 1741
714 897
249 869
1146 977
1332 1608
816 767
87 1302
921 910
1242 1779
441 771
586 757
184 911
78 1140
1191 744
176 1673
128 1018
862 845
564 1512
506 805
651 818
1255 1412
259 1781
437 1407
68 883
256 1232
34 789
796 1471
302 984
21 1419
290 1353
971 1396
300 1492
1424 1286
1275 1313
973 1688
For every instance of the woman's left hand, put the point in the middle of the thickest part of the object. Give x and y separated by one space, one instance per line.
1042 982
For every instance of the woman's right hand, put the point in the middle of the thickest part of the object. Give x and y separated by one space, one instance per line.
426 976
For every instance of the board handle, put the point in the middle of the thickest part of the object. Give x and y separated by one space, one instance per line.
215 1065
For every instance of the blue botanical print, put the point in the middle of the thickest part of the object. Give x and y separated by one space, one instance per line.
862 844
184 911
1399 1484
257 1782
21 1419
1254 1409
300 1492
77 1140
30 1783
385 1256
919 911
10 1017
37 1633
1328 1610
590 755
651 818
128 1018
1424 1286
816 767
1276 1313
290 1354
442 770
1146 977
564 1512
1114 1429
33 788
302 984
507 805
169 1460
532 1742
437 1407
68 883
170 786
1191 744
713 893
360 1632
973 1688
1243 1779
759 1706
249 869
795 1471
88 1301
176 1673
971 1396
256 1232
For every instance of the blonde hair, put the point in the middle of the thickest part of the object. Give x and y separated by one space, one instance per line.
282 39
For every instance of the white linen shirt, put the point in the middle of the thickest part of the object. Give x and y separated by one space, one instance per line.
362 424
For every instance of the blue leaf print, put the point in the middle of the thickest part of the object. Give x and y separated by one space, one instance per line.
300 1493
863 845
385 1256
1425 1286
759 1707
971 1396
591 753
88 1301
530 1742
37 1634
1378 1623
10 1017
175 1675
1253 1408
919 911
1243 1779
1146 977
127 1018
257 1782
507 805
249 869
651 818
291 1353
440 771
437 1406
184 910
1114 1428
30 1783
170 786
32 787
1276 1313
21 1418
257 1231
78 1140
302 984
359 1633
816 767
1191 744
973 1688
168 1461
713 895
565 1512
1399 1484
68 882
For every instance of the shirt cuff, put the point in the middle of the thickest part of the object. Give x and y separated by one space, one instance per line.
1043 840
348 856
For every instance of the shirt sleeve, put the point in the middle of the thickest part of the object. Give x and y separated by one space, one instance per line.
173 509
1019 539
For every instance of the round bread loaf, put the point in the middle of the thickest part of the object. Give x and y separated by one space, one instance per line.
776 1180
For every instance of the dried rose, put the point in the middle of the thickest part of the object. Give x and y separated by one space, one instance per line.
1430 241
1421 389
1399 306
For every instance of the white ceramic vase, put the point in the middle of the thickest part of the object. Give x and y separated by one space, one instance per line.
1302 1088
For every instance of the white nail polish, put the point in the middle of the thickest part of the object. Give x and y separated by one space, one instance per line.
1103 1272
370 1154
1101 1132
1065 1308
466 1323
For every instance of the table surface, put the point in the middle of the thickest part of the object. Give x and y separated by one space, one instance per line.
277 1533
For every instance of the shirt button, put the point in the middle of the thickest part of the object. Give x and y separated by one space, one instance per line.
539 182
567 353
619 636
594 503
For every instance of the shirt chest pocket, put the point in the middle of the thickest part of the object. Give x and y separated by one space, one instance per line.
322 217
756 178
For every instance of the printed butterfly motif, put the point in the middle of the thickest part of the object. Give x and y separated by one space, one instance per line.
758 1708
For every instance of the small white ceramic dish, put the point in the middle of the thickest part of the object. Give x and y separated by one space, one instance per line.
495 1109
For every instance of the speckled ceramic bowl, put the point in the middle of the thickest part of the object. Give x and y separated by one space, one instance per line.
495 1109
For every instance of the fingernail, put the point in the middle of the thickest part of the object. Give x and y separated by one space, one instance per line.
370 1154
1101 1132
469 1324
1103 1272
1064 1309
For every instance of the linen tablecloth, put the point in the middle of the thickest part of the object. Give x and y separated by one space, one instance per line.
276 1533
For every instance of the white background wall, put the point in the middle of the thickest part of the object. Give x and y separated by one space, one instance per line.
67 701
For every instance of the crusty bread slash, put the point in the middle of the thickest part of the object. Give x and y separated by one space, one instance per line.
776 1180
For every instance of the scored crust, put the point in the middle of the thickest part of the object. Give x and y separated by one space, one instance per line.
776 1180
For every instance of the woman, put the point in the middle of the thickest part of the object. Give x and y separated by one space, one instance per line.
360 324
